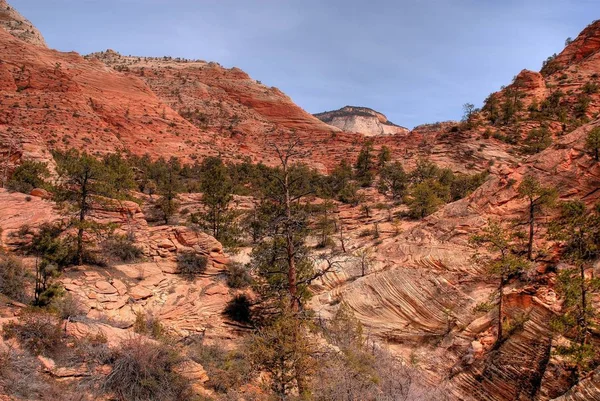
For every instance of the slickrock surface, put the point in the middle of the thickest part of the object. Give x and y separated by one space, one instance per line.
418 296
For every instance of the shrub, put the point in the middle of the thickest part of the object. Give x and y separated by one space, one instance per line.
226 370
238 276
92 350
12 279
68 307
148 325
483 307
590 88
238 309
20 377
39 333
145 371
123 248
367 232
190 264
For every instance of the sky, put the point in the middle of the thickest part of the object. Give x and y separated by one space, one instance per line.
416 61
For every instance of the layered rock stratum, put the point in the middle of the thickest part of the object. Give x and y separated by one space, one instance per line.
418 299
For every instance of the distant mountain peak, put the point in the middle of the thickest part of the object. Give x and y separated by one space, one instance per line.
362 120
18 26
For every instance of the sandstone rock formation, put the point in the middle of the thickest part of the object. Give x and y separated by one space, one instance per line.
18 26
418 297
361 120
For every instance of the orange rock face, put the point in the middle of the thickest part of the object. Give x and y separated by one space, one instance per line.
585 45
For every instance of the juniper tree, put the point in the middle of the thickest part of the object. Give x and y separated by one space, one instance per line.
537 140
424 170
424 199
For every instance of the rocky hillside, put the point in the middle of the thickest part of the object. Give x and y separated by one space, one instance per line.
361 120
18 26
424 295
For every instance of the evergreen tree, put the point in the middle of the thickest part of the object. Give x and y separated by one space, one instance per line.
29 175
325 224
383 157
424 170
393 180
423 199
592 142
537 140
216 187
284 350
503 261
82 178
538 198
578 230
168 187
364 165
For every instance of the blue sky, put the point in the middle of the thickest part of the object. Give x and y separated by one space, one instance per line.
417 61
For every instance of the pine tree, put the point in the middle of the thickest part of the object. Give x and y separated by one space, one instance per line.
169 186
502 261
578 230
284 350
82 178
538 197
216 187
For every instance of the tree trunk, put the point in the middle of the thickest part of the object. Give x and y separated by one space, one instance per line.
342 235
531 230
289 238
583 318
82 211
500 297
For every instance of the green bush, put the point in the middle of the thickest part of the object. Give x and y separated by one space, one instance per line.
148 325
190 264
226 370
238 276
123 248
21 377
38 332
145 371
68 307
